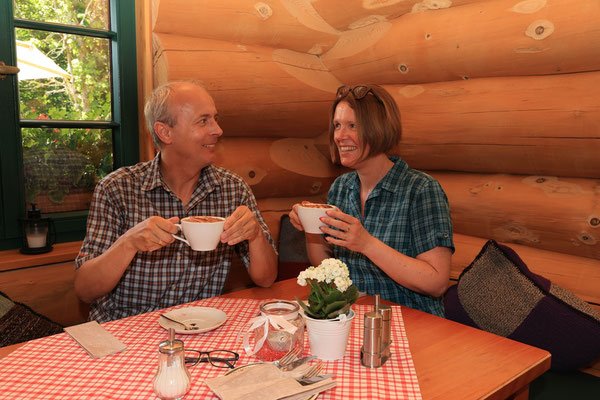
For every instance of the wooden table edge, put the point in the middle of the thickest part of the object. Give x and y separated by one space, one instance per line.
6 350
516 389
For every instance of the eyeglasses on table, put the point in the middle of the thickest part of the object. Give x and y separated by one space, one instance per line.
217 358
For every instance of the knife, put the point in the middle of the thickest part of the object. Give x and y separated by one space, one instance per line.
298 363
314 379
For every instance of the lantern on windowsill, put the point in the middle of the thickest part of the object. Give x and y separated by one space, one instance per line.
38 232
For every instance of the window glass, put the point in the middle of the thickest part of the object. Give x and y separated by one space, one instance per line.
62 166
83 13
63 76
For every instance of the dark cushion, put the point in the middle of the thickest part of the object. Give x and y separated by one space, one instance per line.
292 250
499 294
19 323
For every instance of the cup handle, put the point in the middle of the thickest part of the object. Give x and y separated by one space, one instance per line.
179 237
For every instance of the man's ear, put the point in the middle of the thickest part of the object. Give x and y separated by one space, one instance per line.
163 131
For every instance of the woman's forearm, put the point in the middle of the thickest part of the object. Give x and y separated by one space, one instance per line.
317 248
428 273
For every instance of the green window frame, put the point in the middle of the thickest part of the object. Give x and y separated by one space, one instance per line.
70 226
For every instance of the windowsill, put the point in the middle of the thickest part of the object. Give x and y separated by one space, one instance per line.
13 259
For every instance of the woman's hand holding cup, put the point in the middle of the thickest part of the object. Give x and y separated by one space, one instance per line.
306 216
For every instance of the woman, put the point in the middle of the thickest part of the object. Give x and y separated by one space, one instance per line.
393 228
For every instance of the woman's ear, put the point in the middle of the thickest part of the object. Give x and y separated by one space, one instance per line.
163 131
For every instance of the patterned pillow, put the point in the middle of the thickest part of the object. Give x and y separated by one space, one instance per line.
499 294
19 323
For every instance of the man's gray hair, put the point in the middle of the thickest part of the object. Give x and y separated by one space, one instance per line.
157 107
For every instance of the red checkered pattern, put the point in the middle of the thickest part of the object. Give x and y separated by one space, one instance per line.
56 367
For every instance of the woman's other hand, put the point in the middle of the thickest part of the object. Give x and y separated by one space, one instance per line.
349 233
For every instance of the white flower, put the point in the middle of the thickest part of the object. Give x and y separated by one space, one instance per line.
342 283
330 270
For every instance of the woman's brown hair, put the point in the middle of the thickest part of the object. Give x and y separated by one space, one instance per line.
377 119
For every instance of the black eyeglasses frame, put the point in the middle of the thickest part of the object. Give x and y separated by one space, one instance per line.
229 361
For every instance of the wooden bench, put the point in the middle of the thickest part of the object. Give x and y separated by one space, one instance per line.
44 282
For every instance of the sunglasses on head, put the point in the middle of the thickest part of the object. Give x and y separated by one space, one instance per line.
358 92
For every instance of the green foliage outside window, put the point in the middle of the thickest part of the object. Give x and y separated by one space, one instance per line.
58 161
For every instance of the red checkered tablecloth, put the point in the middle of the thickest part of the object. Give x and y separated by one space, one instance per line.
56 367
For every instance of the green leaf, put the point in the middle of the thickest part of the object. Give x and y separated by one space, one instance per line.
343 310
317 289
351 294
301 303
334 295
334 306
318 306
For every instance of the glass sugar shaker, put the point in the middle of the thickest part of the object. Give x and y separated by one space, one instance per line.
172 379
280 341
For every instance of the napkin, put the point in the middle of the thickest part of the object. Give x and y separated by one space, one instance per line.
94 339
264 381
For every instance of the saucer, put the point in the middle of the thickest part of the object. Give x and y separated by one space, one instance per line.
204 318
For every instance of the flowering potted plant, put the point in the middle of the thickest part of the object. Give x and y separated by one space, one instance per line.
328 314
331 290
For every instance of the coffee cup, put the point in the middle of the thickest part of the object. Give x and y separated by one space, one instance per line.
201 233
310 214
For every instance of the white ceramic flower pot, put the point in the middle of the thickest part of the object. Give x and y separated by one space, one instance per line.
328 338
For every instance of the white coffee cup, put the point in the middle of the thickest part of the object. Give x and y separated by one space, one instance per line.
202 233
309 215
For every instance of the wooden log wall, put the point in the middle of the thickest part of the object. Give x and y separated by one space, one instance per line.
499 101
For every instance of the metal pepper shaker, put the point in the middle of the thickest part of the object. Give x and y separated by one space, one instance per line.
370 353
386 331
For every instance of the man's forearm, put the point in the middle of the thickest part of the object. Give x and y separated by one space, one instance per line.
99 275
263 261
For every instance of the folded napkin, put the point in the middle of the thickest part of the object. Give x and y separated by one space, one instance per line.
94 339
264 381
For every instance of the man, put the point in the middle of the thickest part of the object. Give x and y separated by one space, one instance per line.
129 262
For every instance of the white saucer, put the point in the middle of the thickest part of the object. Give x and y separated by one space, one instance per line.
204 318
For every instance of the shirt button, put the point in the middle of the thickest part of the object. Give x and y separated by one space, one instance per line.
361 280
173 287
178 257
445 235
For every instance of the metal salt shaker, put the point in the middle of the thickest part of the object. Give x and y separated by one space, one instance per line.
377 337
370 353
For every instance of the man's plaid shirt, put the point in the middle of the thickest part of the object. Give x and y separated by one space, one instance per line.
174 274
407 210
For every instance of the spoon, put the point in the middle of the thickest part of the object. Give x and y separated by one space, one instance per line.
187 328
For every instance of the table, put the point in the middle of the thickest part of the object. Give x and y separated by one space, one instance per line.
452 361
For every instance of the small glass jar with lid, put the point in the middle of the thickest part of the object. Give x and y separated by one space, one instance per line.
172 379
279 340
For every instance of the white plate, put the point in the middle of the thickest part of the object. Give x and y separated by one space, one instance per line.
237 369
205 318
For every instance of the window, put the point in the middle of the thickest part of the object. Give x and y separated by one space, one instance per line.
70 115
